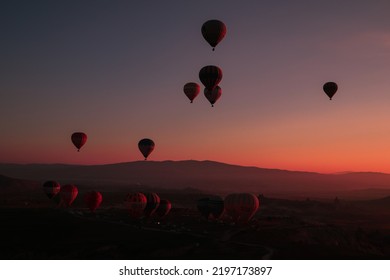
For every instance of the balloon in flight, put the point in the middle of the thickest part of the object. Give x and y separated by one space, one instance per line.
210 76
213 95
79 139
146 146
191 90
330 88
213 32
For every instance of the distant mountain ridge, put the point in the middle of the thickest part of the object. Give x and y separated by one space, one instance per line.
203 175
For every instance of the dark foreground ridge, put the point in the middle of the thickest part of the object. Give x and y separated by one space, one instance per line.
35 227
282 229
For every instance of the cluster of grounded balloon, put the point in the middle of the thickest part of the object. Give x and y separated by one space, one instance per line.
139 205
145 205
213 32
238 207
65 195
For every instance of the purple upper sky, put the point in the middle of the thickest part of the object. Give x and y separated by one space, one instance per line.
116 70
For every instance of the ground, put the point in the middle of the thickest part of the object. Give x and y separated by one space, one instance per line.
281 229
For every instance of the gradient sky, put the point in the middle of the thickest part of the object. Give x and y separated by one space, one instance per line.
116 70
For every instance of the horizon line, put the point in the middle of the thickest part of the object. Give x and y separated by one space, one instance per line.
193 160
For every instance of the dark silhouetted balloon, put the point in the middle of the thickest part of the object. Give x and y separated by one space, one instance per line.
146 146
152 202
217 206
330 88
210 76
163 208
213 205
191 90
136 203
241 206
203 207
57 199
213 32
68 194
79 139
51 188
213 95
93 199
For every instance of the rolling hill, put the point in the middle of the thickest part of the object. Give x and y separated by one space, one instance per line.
213 177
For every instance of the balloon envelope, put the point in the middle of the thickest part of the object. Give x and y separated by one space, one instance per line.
210 76
213 31
68 194
163 208
203 207
213 95
241 206
213 205
136 203
51 188
93 200
191 90
330 88
79 139
217 206
146 146
152 202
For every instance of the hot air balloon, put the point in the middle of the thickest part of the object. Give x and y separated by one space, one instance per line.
152 202
213 95
191 90
51 188
136 203
163 208
93 200
217 206
210 76
57 199
213 32
241 206
203 207
68 194
146 146
211 206
79 139
330 89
